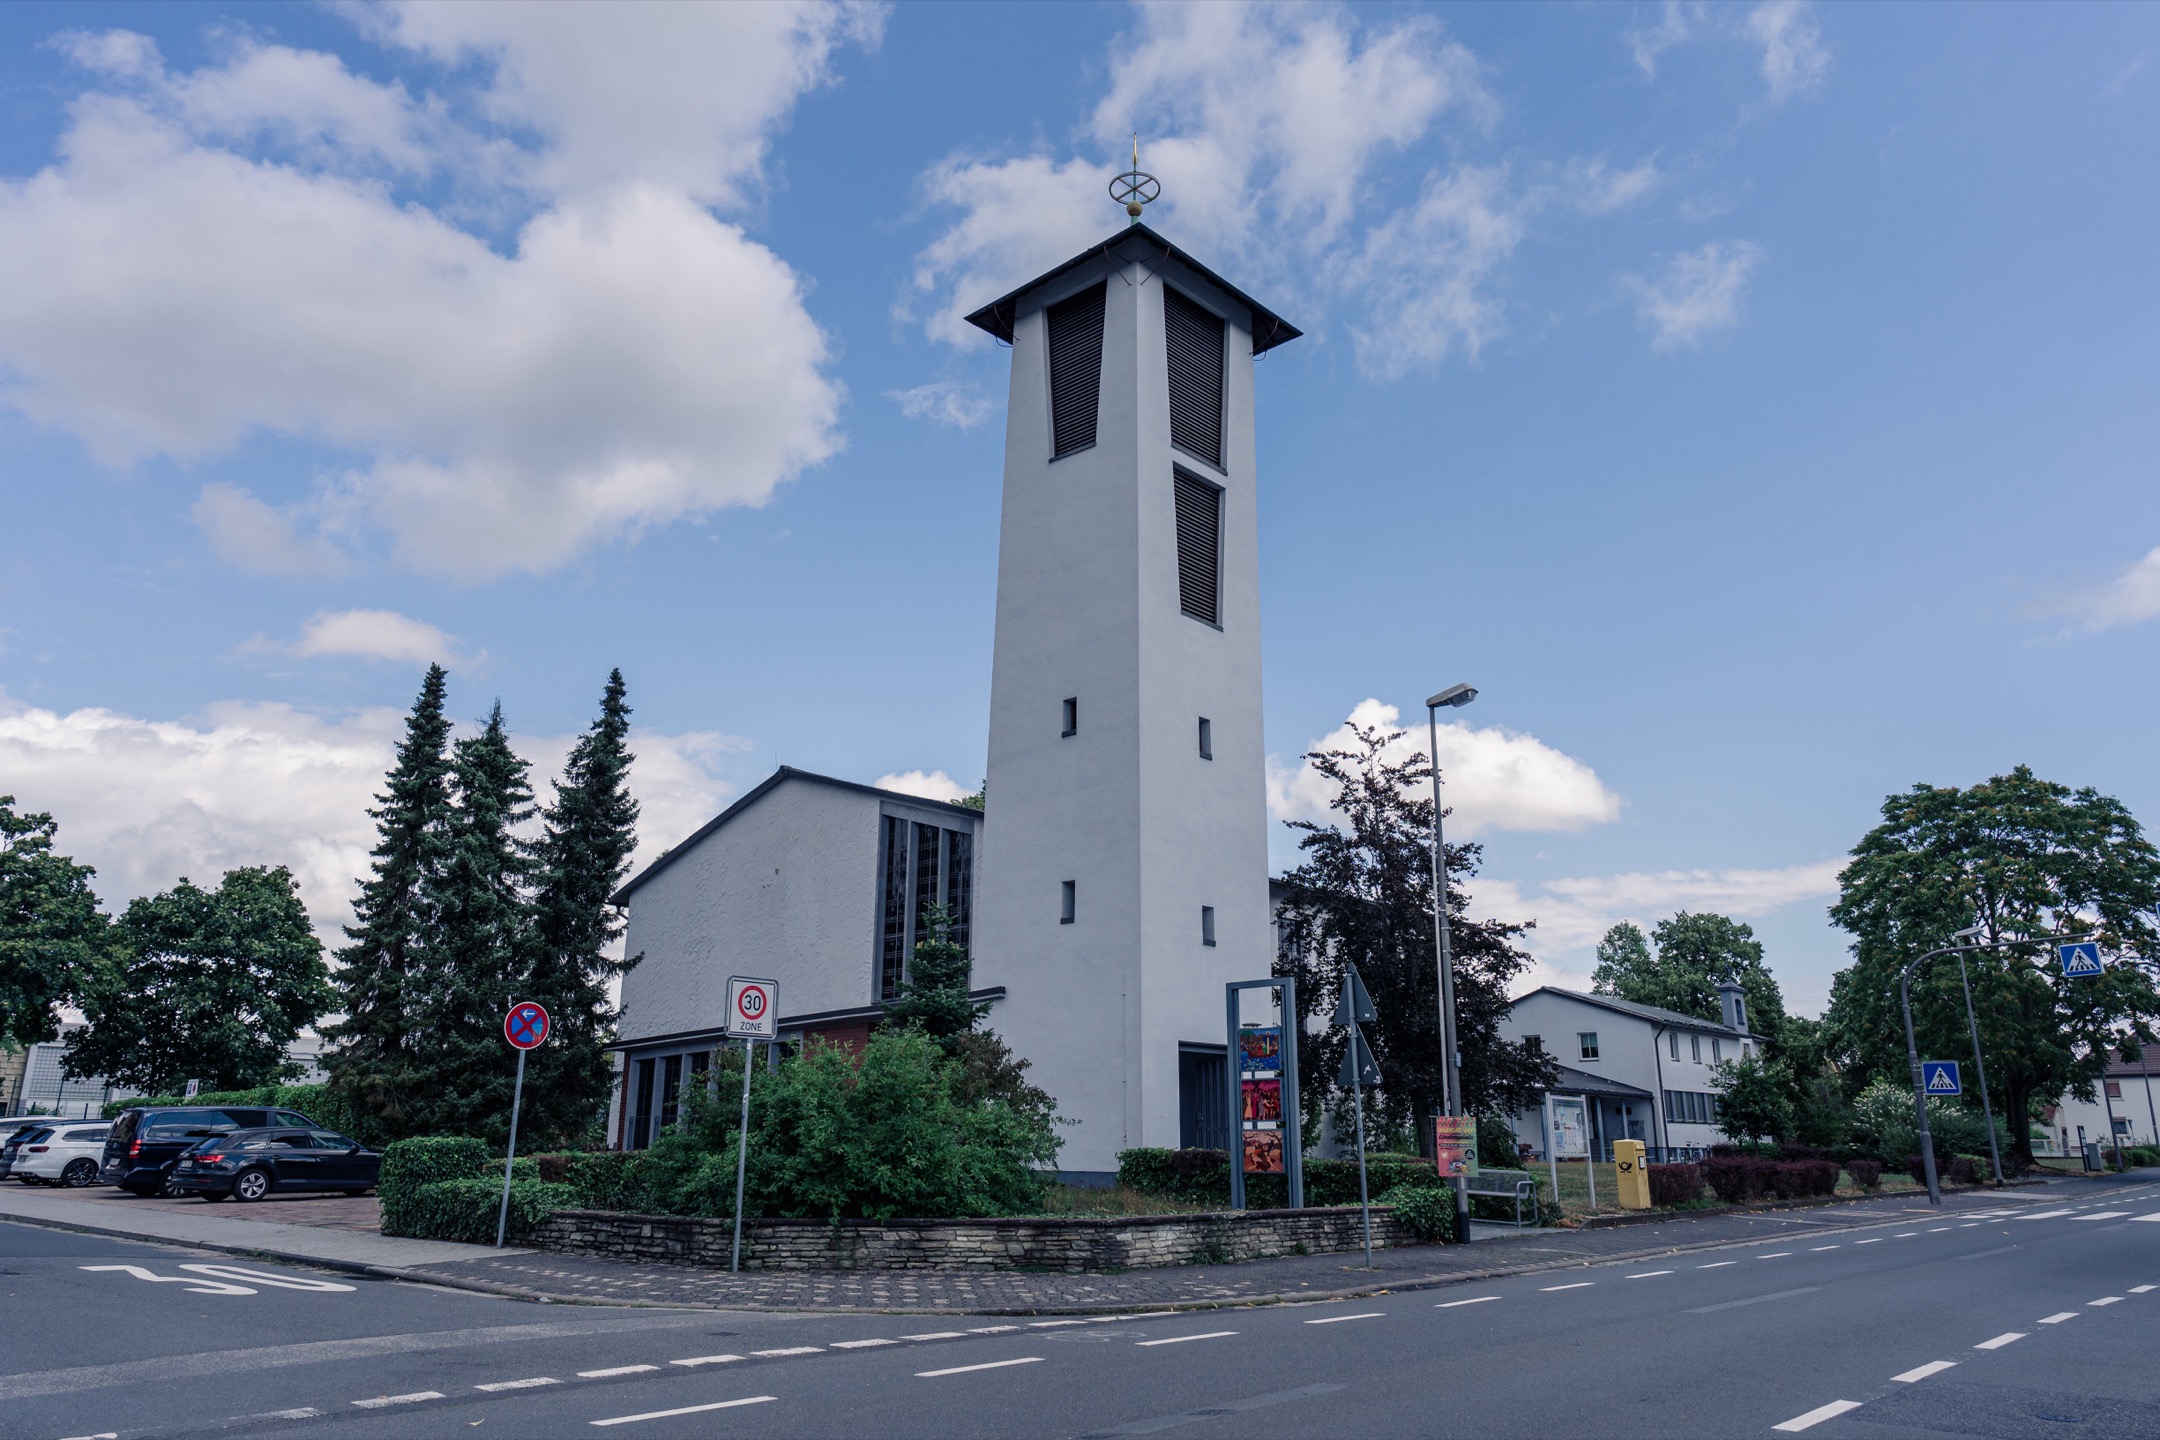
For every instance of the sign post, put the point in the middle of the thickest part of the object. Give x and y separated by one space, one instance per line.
1359 1069
524 1027
753 1012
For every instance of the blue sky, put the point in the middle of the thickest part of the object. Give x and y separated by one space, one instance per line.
1756 403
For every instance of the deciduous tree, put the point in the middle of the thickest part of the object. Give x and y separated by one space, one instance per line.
53 937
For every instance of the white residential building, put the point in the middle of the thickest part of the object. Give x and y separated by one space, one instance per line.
2125 1103
1643 1072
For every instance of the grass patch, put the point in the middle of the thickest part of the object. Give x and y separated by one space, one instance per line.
1118 1200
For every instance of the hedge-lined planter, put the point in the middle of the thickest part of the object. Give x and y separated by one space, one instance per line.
1070 1244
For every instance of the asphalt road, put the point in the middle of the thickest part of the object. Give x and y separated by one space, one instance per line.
2037 1320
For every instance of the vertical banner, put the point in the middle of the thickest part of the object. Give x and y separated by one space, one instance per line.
1455 1145
1260 1108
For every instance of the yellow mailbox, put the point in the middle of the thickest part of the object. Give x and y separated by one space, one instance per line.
1634 1172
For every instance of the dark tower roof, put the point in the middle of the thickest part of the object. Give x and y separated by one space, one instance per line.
1268 328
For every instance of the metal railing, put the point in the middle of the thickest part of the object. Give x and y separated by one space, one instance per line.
1517 1186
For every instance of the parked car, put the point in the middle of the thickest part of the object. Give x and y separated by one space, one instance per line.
249 1164
145 1142
15 1132
69 1155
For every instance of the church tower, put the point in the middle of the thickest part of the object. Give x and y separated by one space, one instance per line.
1124 875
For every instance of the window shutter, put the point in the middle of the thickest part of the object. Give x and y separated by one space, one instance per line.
1076 327
1199 547
1194 341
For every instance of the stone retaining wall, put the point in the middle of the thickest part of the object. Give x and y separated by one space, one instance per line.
1072 1245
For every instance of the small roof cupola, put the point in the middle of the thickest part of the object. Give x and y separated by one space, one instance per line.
1733 1002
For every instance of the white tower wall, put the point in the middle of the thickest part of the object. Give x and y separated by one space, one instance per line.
1126 808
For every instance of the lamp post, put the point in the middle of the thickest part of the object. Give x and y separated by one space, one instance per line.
1454 697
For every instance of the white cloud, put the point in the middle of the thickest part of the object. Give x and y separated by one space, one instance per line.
377 635
224 252
1493 778
930 784
1428 269
2130 597
946 402
1699 292
1794 57
147 801
1573 914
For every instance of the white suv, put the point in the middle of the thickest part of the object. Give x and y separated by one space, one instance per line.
63 1155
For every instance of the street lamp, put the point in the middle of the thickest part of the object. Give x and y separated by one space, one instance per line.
1454 697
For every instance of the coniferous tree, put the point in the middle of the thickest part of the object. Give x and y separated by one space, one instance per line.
934 993
477 954
376 1044
582 856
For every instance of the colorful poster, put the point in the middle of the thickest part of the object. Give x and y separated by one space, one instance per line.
1260 1049
1570 1128
1455 1144
1263 1102
1264 1152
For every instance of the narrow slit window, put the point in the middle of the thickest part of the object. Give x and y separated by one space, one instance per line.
1065 903
1076 336
1199 547
1207 924
1193 344
1694 1043
1207 739
1072 716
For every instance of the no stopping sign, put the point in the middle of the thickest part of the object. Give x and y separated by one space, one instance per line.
753 1008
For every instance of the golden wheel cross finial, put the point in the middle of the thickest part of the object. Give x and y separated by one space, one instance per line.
1135 189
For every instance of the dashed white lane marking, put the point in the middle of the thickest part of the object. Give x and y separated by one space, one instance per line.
1475 1300
1578 1285
860 1344
2103 1300
2105 1215
1181 1339
1938 1230
686 1410
1717 1265
2058 1317
1921 1372
305 1412
1876 1241
2139 1289
1648 1274
1970 1225
992 1329
793 1350
613 1370
1338 1319
2007 1337
1817 1250
413 1399
1032 1325
2044 1215
1775 1255
1906 1235
695 1360
530 1383
1816 1416
987 1365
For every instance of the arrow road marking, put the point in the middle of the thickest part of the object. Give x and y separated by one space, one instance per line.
197 1285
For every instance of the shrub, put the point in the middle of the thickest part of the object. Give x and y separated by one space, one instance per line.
1734 1178
1675 1184
1426 1211
2141 1155
1496 1145
467 1210
1740 1179
1866 1174
1955 1170
321 1104
1199 1177
1202 1177
600 1179
409 1165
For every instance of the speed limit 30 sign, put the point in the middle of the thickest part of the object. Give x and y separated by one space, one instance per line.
753 1008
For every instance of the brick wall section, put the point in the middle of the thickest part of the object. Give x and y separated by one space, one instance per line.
1072 1245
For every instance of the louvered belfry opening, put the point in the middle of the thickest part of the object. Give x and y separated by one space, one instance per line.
1194 340
1076 330
1199 547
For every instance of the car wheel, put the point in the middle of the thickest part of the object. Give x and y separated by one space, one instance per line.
251 1185
170 1190
217 1194
79 1173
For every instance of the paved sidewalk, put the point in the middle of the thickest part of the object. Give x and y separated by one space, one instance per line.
579 1278
218 1228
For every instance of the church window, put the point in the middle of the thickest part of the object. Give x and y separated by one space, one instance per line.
960 884
893 937
1072 716
1066 904
1207 924
1207 739
1076 336
921 866
1199 547
1193 337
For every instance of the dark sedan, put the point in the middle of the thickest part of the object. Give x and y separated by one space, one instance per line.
250 1164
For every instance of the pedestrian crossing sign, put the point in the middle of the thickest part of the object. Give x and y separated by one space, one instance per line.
2081 959
1940 1077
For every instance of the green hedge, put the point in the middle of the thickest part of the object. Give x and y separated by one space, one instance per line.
1202 1177
466 1210
319 1103
1425 1211
409 1166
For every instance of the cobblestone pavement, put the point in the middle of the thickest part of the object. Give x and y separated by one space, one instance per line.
358 1213
578 1278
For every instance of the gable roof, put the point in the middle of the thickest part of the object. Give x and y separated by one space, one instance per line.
773 782
1268 328
1655 1014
